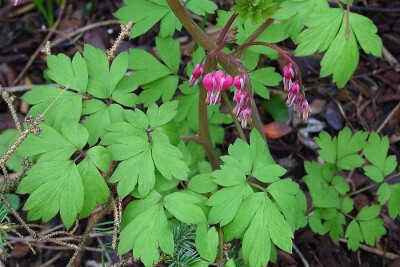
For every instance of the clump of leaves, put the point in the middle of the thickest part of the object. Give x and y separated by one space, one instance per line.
331 30
331 200
255 10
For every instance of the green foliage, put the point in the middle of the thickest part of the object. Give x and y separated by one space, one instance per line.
58 184
254 10
344 149
253 216
328 29
146 226
142 146
329 190
7 138
157 80
97 136
144 14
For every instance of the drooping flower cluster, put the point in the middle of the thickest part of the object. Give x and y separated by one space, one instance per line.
215 83
295 94
243 105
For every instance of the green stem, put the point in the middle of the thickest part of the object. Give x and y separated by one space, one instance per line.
201 38
221 246
205 132
257 186
235 120
370 186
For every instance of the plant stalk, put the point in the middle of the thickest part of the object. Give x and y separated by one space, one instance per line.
209 45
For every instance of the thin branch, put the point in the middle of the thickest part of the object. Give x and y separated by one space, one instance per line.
376 251
39 49
240 49
226 28
209 45
388 117
234 118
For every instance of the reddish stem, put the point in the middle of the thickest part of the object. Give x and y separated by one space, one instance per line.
284 54
226 28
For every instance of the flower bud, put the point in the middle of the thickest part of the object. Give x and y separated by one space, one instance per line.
239 82
196 73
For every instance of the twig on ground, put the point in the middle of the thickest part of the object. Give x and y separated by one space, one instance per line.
37 52
388 118
376 251
305 262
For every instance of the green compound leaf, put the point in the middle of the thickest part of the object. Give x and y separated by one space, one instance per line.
317 179
334 224
51 144
157 80
262 78
226 202
145 233
100 117
185 208
294 13
142 146
342 57
321 31
66 181
254 10
144 14
201 7
207 242
54 186
251 216
376 153
394 201
7 139
327 30
365 32
366 228
202 183
342 150
67 107
71 74
96 190
110 81
390 193
265 224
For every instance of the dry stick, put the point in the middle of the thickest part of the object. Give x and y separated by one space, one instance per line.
39 49
16 215
21 88
125 32
9 101
305 262
376 251
85 236
82 30
52 260
388 117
